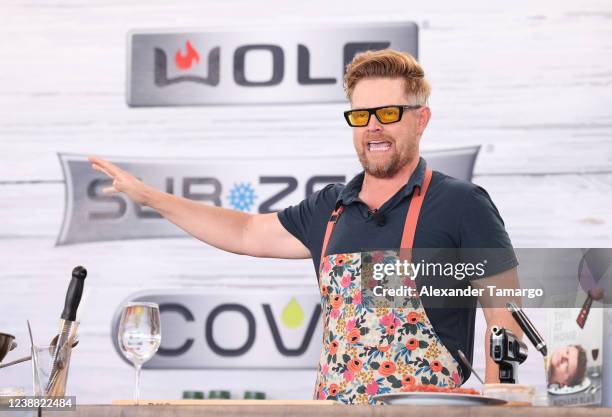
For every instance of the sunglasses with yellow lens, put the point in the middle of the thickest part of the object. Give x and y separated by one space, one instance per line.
384 114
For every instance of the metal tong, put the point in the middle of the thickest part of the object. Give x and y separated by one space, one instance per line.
53 346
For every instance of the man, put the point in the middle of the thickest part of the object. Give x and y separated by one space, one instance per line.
567 366
397 202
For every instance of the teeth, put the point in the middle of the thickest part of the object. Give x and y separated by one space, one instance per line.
378 146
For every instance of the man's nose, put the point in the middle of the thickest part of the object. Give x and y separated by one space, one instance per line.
374 125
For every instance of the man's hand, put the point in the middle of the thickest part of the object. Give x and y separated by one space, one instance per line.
123 181
496 313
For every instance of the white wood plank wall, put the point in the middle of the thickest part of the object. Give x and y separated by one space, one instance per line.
530 81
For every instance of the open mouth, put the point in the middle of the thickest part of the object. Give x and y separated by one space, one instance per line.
378 145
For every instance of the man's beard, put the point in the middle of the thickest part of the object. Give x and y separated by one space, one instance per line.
387 169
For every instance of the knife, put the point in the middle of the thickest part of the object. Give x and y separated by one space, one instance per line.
71 305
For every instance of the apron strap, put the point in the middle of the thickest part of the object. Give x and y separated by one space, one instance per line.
333 219
413 212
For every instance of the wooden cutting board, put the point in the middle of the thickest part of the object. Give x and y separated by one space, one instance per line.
224 402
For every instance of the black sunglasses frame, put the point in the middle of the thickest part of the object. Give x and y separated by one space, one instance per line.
372 111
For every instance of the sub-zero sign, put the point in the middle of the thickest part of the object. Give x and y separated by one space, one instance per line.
231 67
237 328
259 186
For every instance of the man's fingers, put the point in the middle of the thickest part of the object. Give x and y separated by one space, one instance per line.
109 190
109 168
99 168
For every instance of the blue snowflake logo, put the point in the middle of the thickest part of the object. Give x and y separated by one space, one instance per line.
242 196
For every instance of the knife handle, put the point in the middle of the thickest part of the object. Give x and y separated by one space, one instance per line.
584 312
74 293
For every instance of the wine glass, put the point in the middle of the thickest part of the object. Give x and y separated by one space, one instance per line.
139 335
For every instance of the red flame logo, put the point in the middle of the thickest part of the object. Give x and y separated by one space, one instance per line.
185 61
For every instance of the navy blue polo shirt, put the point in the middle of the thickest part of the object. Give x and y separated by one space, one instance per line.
455 214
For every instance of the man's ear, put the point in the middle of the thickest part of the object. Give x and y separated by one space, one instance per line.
424 114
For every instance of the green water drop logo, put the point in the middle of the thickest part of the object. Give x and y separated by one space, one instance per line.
293 315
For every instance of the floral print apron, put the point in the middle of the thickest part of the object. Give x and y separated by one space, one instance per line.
370 349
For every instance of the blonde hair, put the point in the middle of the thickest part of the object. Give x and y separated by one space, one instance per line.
388 63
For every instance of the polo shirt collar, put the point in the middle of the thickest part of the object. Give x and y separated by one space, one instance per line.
350 193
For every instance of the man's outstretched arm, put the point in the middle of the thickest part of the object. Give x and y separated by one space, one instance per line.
259 235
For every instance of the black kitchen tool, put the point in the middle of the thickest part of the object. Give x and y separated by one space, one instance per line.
68 317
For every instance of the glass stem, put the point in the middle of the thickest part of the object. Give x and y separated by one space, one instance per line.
137 385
